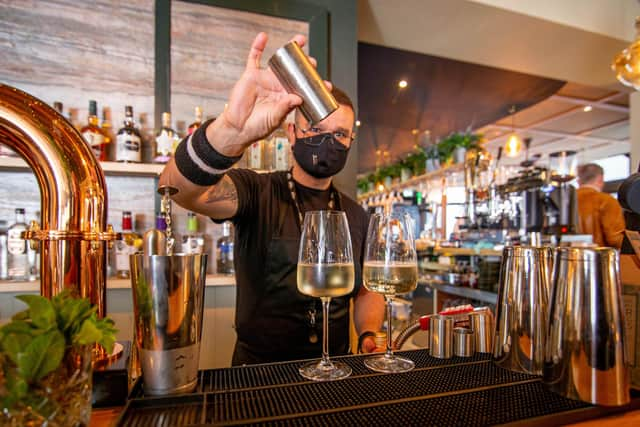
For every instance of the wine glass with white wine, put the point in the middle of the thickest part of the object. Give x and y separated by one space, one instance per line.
390 268
325 270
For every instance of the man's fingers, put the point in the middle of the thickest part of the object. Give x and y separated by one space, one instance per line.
257 47
313 61
300 39
329 85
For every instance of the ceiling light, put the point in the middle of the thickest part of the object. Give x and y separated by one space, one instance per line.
587 108
414 131
358 123
626 64
514 143
402 84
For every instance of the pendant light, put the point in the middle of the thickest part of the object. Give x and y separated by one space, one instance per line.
514 143
626 64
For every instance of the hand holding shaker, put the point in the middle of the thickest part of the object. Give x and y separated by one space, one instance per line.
298 76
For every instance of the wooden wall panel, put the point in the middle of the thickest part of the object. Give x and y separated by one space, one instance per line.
73 51
209 47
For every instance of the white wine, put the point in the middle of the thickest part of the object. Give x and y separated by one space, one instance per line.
325 280
390 279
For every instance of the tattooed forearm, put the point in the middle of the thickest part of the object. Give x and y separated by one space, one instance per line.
225 190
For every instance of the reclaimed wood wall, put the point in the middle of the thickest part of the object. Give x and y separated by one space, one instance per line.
209 47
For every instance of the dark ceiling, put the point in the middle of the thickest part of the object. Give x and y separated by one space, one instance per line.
442 96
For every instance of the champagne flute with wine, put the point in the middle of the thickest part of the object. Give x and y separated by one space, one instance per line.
325 270
390 268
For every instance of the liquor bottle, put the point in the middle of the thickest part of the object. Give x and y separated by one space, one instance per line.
128 140
192 241
255 155
281 150
196 124
17 257
107 131
3 250
130 244
225 250
33 255
147 137
93 134
57 105
155 240
166 141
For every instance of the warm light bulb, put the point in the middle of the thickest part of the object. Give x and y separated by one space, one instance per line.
514 146
380 187
402 84
587 108
358 123
626 64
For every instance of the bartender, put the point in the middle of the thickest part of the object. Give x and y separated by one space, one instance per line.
275 322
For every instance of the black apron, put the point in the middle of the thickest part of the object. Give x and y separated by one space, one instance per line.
281 327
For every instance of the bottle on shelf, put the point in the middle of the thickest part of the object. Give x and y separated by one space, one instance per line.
128 140
93 134
166 141
17 257
198 121
281 150
107 131
255 155
224 252
34 256
130 244
4 275
192 240
155 240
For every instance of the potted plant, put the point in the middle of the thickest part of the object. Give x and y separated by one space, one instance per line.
432 162
45 361
453 148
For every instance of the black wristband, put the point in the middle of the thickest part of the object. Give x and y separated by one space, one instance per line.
199 162
362 337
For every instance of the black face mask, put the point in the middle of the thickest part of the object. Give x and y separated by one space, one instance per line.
321 156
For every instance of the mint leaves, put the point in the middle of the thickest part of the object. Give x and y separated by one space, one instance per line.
33 344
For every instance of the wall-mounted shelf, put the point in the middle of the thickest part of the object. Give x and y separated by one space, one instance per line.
112 283
429 176
466 251
109 168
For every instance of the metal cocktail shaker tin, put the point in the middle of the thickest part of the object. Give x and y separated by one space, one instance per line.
440 343
296 73
463 342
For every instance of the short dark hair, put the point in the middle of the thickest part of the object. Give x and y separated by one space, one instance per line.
589 172
342 98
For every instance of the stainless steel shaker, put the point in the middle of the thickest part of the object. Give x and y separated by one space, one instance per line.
168 301
585 350
481 322
294 71
441 336
522 309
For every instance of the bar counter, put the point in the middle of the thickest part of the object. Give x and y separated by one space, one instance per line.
457 391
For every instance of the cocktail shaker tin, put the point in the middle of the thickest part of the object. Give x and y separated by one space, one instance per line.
296 73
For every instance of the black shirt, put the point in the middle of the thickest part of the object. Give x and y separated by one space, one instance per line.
273 320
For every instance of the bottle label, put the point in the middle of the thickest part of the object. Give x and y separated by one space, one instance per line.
128 148
165 144
122 255
94 139
282 150
15 244
255 155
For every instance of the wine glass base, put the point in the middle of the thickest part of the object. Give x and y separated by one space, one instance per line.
389 364
323 371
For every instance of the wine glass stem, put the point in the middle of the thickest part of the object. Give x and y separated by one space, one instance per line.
389 352
325 329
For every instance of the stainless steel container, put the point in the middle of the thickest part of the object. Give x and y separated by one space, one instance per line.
585 351
522 309
463 344
441 337
294 71
168 302
481 322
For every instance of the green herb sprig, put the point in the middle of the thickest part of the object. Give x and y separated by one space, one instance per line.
33 344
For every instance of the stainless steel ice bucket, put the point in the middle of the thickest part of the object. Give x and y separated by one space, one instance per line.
585 352
522 309
168 302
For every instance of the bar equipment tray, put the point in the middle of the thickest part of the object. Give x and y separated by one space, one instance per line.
458 391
